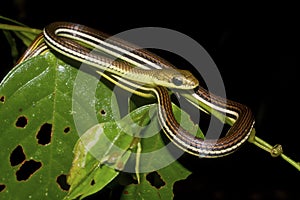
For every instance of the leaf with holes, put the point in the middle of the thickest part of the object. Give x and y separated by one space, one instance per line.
156 185
40 116
158 163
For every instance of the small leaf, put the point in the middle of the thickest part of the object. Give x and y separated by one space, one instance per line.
87 174
101 153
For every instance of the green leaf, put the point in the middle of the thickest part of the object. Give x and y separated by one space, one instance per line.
162 168
87 174
38 127
102 152
156 185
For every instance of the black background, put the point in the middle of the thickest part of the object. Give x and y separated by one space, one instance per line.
256 49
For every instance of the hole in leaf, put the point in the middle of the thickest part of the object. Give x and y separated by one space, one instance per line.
27 169
67 130
2 99
44 134
155 180
21 122
103 112
125 192
17 156
93 182
2 187
62 182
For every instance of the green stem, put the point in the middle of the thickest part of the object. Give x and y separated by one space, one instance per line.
275 151
19 28
292 162
24 33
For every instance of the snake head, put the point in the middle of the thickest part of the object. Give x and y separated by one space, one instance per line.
179 79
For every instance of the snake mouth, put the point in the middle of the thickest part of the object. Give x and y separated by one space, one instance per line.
192 83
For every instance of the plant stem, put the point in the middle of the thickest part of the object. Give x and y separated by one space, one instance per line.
19 28
275 151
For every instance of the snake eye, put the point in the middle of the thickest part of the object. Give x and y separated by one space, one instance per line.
177 81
